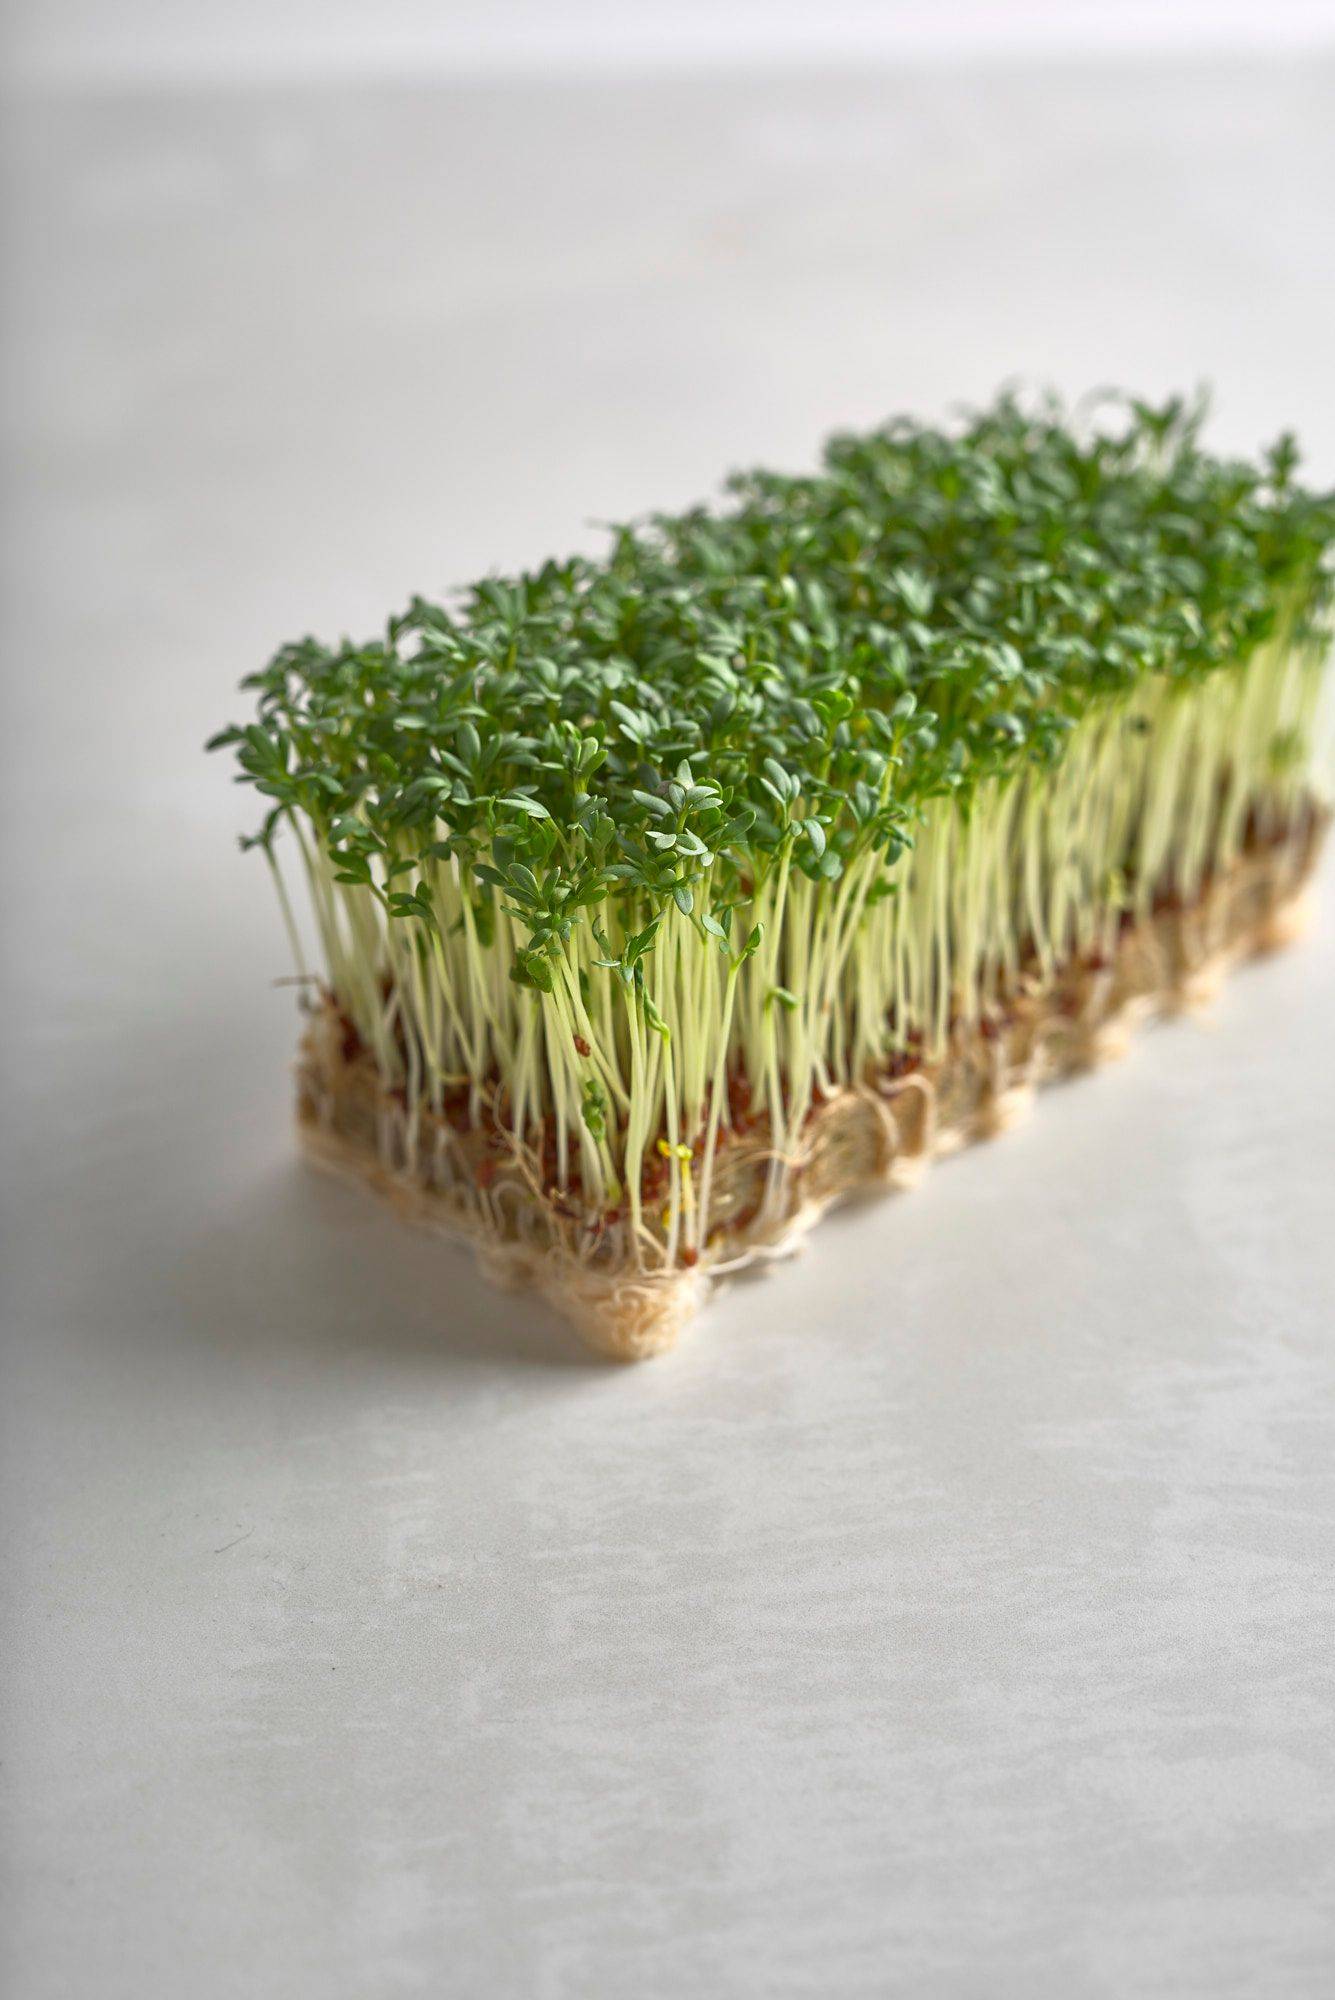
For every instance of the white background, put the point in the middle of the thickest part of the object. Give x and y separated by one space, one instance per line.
952 1616
88 41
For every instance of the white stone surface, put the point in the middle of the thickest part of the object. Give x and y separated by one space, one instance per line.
953 1617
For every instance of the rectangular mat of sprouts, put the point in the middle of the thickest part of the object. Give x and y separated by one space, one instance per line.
666 898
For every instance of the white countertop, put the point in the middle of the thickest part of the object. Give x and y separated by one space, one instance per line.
953 1616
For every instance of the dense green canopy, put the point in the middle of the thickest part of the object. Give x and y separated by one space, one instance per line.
805 664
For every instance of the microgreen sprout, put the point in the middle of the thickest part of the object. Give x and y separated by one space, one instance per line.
776 792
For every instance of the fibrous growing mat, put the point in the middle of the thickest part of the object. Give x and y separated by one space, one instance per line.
662 900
